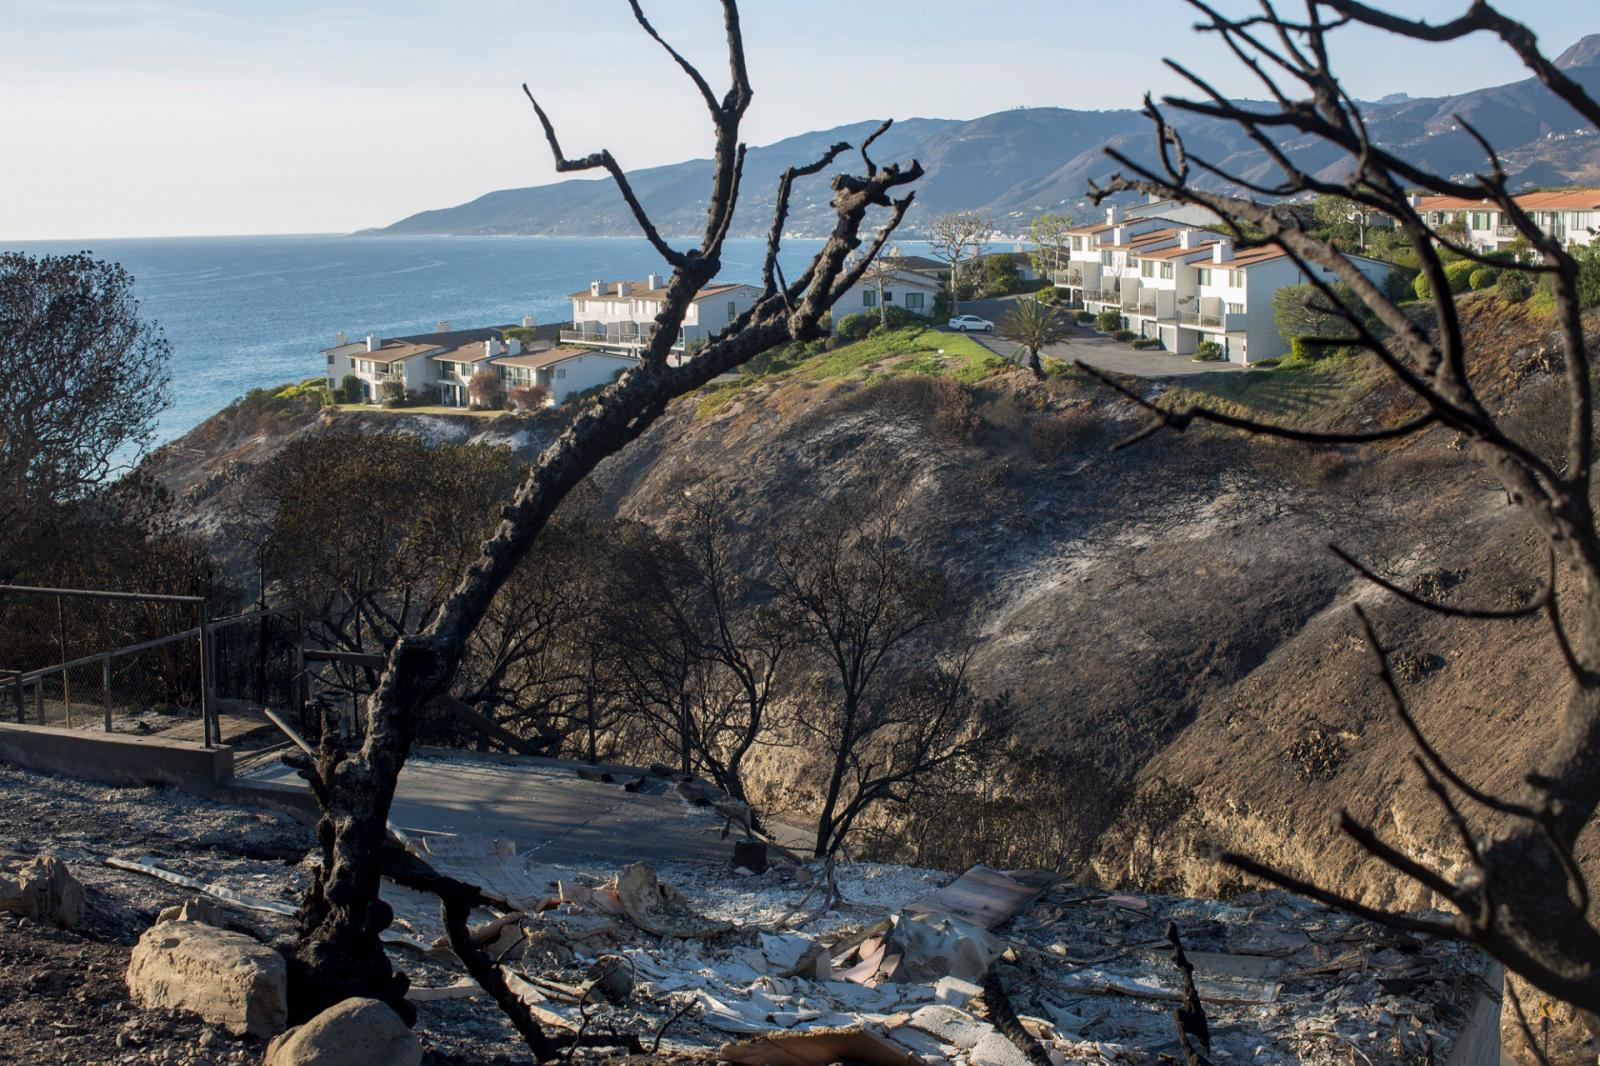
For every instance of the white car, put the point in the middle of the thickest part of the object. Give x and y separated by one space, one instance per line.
963 323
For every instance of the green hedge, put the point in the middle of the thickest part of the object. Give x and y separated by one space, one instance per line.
1483 278
1208 352
1123 335
1108 321
1145 343
1458 274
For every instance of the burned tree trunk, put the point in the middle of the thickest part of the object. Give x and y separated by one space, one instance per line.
337 951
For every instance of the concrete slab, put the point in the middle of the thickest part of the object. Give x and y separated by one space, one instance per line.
539 805
117 758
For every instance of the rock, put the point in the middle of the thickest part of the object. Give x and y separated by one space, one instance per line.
45 890
357 1032
227 978
195 909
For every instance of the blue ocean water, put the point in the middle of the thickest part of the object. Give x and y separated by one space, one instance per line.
247 312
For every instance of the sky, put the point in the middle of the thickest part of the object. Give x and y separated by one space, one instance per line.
127 118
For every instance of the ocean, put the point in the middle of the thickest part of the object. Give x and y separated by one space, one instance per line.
248 312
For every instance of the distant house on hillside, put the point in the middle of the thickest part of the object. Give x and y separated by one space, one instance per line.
1570 215
435 366
619 316
913 290
914 264
1184 285
563 371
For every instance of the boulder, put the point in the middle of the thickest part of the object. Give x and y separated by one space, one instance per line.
356 1032
45 890
227 978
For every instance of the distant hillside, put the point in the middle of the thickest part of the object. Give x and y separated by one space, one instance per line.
1015 164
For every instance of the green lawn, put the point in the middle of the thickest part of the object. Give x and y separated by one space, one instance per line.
1294 391
913 350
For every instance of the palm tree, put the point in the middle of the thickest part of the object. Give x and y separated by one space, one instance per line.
1033 325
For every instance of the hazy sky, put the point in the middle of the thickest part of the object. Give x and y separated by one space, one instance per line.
168 117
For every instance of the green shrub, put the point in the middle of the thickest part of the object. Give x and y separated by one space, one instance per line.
350 389
1048 295
1146 343
1124 335
1514 286
896 317
1208 352
1300 351
1083 314
1457 273
1483 278
393 392
855 327
1108 321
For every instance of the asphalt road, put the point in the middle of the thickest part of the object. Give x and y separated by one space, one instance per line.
1096 349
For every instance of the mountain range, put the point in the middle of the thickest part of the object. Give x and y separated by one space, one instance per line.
1016 164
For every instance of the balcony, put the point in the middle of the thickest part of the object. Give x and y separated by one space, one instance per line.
1101 296
1146 309
613 340
1231 323
1072 278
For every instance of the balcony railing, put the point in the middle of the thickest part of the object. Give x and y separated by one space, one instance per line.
1147 310
608 339
1101 296
1067 277
1203 321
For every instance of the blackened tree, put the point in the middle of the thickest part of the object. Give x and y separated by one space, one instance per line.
337 953
1522 896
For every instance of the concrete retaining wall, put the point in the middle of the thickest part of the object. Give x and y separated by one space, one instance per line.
117 758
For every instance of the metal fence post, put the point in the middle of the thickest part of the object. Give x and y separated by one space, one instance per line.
61 637
205 679
16 692
38 698
105 688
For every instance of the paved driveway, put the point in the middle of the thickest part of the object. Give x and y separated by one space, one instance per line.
1096 349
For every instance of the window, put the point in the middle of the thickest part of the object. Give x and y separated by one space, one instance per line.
330 358
1106 259
888 296
733 310
561 371
1480 220
869 298
1205 275
1077 244
1166 271
1236 309
1236 279
1147 268
914 301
